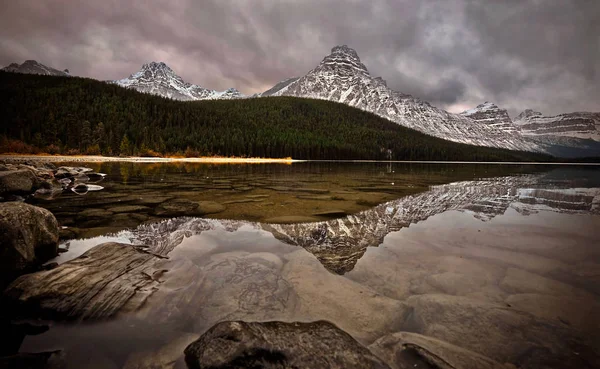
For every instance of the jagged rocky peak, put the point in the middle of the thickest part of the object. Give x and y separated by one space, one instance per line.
577 125
526 114
158 78
346 58
342 77
490 114
34 67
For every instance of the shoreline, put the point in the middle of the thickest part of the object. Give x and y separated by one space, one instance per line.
139 159
220 160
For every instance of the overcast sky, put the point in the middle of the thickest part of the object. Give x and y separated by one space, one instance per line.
540 54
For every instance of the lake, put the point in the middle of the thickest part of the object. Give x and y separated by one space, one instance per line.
500 260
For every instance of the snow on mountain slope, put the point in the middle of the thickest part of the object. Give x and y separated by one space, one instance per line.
583 125
341 77
493 116
33 67
278 86
158 79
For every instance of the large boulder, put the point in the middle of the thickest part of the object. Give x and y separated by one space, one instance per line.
21 181
28 237
278 345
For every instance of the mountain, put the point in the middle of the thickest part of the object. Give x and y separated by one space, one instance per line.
342 77
490 114
567 135
158 79
134 122
33 67
278 86
582 125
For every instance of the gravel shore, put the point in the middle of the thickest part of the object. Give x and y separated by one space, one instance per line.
95 158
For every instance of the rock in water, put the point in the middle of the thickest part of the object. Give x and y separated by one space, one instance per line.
278 345
403 350
28 237
18 182
85 288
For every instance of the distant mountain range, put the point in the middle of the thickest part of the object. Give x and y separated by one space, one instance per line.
33 67
158 79
342 77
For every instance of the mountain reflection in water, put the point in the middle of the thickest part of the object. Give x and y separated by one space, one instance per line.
507 267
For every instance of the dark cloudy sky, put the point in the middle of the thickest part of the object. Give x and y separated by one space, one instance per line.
542 54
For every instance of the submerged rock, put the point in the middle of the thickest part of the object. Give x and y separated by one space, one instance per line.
175 208
403 350
85 288
278 345
28 237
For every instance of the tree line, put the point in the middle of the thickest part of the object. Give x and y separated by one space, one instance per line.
72 115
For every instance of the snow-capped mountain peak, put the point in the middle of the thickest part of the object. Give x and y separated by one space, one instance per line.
490 114
342 77
158 78
578 125
34 67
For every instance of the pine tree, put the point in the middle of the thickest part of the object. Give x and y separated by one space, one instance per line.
124 148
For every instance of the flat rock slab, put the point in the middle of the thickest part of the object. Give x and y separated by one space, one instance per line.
85 288
278 345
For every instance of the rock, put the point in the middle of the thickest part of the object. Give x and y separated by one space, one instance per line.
94 213
498 332
68 233
287 219
80 189
95 177
127 209
65 172
13 334
18 182
182 207
28 237
241 201
407 350
85 288
331 213
278 345
38 360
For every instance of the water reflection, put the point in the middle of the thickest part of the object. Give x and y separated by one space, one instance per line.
507 267
138 193
339 243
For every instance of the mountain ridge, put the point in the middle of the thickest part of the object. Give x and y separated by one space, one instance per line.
34 67
158 78
342 77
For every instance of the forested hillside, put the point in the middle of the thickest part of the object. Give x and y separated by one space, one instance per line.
77 115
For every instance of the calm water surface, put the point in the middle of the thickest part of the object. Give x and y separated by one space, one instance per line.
500 260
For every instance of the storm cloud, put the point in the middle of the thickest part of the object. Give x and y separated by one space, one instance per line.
540 54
